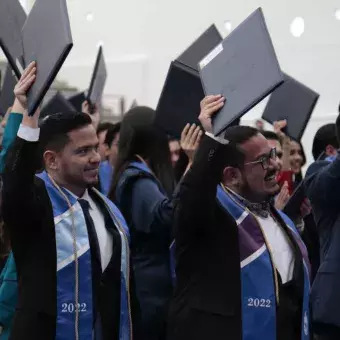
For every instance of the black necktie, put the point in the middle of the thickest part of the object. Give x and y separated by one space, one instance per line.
95 254
91 230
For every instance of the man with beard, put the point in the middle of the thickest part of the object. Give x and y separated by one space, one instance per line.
242 269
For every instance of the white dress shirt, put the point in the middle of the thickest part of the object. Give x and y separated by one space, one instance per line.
105 239
283 255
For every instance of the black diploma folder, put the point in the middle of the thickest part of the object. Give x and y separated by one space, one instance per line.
243 68
179 103
294 102
58 103
182 92
47 40
200 47
77 100
98 79
7 96
12 20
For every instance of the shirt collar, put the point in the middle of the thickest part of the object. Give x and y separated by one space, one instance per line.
261 209
86 196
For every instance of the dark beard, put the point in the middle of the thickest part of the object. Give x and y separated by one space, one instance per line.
247 193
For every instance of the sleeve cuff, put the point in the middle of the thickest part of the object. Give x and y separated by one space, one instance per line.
29 134
217 138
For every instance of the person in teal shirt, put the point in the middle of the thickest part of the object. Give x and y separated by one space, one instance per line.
8 276
8 296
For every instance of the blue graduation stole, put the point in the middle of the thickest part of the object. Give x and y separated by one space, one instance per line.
64 219
144 168
105 177
330 159
258 298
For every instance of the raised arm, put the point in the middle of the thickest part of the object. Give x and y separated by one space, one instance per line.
197 193
151 210
21 164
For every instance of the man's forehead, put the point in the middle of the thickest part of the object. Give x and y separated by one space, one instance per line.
255 147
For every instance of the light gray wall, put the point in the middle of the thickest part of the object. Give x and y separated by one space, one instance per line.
141 37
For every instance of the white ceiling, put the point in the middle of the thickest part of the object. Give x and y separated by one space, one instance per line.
141 37
160 30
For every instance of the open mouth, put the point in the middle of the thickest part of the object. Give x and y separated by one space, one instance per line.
270 177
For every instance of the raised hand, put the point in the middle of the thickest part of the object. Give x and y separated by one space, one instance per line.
190 140
279 126
24 84
85 107
92 111
283 197
209 106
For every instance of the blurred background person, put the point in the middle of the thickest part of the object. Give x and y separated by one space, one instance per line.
297 159
322 186
143 184
101 134
109 150
143 187
175 149
325 142
112 143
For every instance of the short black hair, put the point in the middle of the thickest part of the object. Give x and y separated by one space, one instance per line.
140 136
54 129
326 135
237 135
104 127
270 135
240 134
112 133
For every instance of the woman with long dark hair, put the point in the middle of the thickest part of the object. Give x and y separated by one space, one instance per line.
297 159
143 186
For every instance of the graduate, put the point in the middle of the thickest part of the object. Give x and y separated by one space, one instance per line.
69 242
242 268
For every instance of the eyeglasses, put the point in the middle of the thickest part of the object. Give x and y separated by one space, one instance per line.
265 160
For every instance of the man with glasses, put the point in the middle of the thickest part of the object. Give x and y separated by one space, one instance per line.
242 269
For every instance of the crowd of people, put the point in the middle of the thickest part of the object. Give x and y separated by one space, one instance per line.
119 231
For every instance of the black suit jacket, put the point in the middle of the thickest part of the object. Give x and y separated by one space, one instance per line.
322 186
28 215
207 297
207 302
